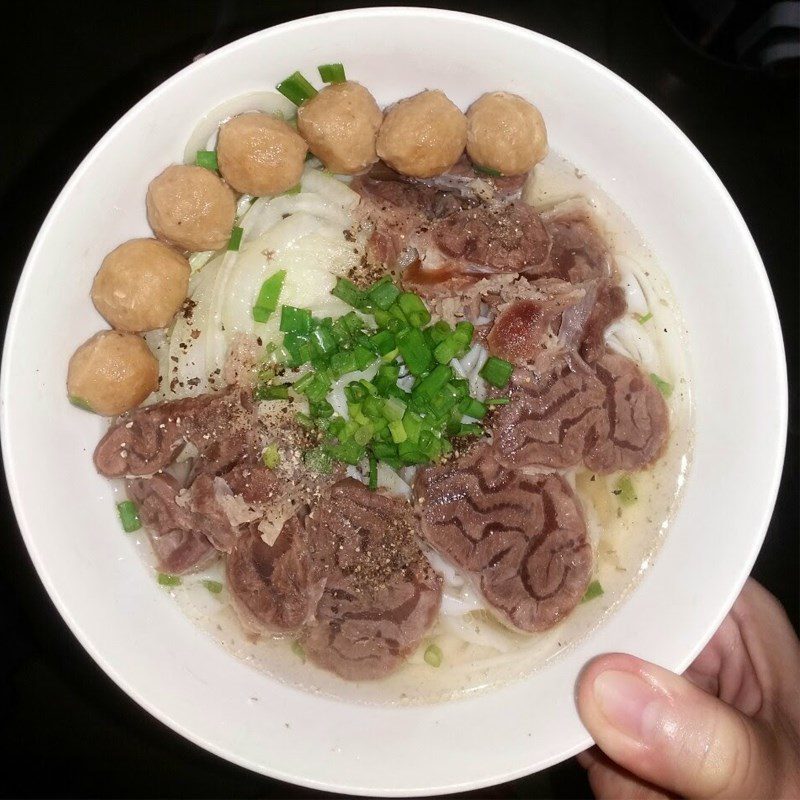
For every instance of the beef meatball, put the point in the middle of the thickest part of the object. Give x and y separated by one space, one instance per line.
506 133
112 372
191 208
340 125
140 285
259 154
423 135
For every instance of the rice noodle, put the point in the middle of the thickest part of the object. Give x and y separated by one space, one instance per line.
206 128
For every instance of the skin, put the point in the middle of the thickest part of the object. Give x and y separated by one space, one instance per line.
728 728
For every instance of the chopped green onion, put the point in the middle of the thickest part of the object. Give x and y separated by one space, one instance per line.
470 430
215 587
271 393
414 309
348 293
439 332
662 386
471 407
393 409
494 173
236 238
625 491
433 383
129 516
383 294
297 649
497 372
433 655
295 320
318 460
79 402
169 580
398 431
593 590
268 296
415 351
296 88
332 73
271 456
373 472
642 318
383 342
304 420
497 401
207 159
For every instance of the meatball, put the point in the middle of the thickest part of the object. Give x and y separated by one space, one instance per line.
191 208
506 133
423 135
340 125
140 285
259 154
112 372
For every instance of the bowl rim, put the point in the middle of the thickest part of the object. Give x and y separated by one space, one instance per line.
422 13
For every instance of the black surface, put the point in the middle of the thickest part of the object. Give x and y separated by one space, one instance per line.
71 73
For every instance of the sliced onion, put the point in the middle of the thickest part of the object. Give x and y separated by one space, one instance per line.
268 102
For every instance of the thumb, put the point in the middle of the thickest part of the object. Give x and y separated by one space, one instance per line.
666 731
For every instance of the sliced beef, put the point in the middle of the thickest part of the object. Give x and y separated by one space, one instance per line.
609 415
523 329
609 306
508 237
579 252
173 530
381 595
217 511
638 419
550 418
148 439
273 588
521 537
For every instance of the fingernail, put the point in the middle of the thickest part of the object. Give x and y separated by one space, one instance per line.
627 701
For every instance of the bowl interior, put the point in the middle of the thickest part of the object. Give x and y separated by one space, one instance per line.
141 638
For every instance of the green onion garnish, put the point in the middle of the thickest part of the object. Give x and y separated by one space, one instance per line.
319 460
268 296
207 159
296 88
79 402
625 492
271 456
129 516
642 318
373 472
433 655
497 401
215 587
295 320
332 73
662 386
593 590
494 173
236 238
169 580
348 292
497 372
298 650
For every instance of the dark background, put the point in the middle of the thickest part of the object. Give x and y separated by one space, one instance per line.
73 70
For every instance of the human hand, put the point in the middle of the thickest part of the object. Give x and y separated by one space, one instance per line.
729 728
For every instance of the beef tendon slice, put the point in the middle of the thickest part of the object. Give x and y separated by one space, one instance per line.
381 595
273 588
521 537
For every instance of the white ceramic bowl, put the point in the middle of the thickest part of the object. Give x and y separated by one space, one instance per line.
133 629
